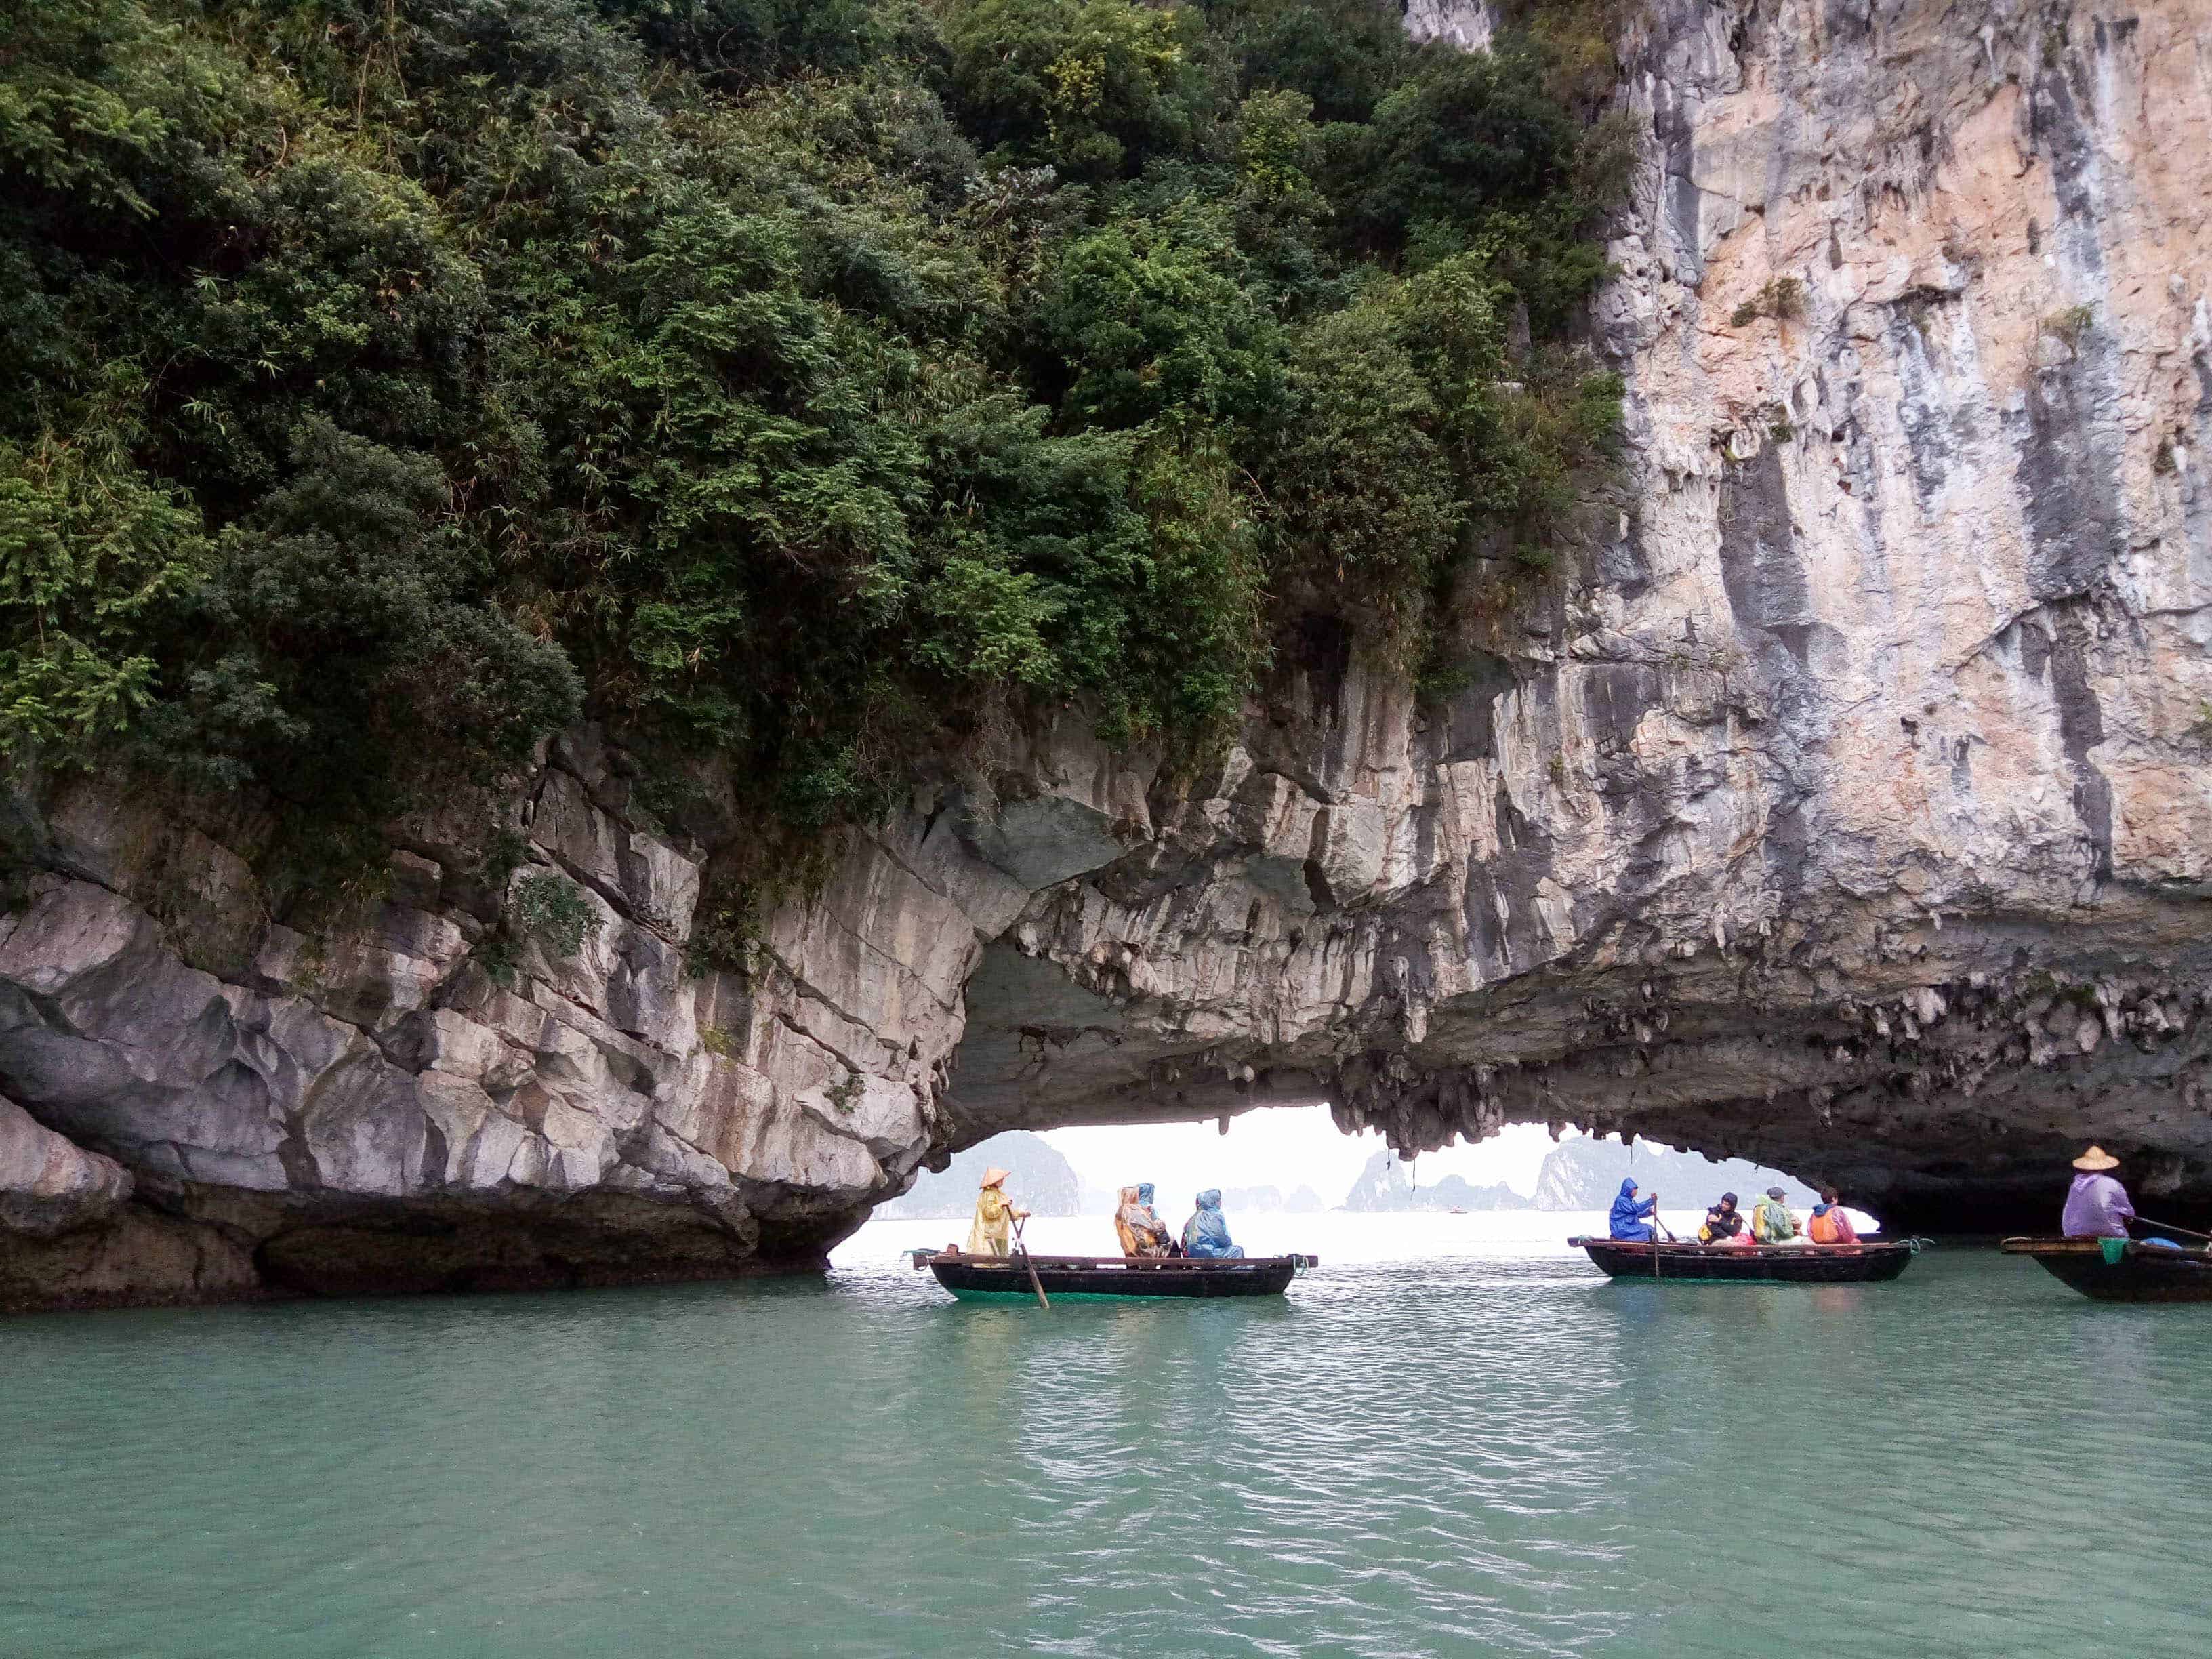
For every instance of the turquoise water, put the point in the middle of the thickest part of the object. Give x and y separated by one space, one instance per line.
1491 1452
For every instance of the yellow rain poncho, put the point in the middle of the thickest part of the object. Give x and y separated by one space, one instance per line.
1139 1228
1129 1223
993 1231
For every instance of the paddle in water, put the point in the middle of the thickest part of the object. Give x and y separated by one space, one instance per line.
1035 1284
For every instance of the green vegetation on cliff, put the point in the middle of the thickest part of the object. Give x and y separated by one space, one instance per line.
388 381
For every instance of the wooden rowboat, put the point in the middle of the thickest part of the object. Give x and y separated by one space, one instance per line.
1109 1278
2144 1273
1764 1264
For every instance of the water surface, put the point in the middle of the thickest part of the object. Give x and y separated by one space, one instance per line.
1453 1439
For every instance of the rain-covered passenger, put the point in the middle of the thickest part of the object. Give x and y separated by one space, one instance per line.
1162 1241
1724 1223
1128 1221
1140 1230
1829 1223
1630 1216
1206 1234
1772 1223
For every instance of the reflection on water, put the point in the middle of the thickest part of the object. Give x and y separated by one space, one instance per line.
1478 1447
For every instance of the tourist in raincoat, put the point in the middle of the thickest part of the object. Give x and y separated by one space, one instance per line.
1829 1224
1139 1229
1627 1219
1163 1241
1125 1219
995 1215
1206 1234
1770 1220
1724 1223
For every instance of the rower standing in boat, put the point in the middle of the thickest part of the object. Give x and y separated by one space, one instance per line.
1627 1219
2097 1206
995 1215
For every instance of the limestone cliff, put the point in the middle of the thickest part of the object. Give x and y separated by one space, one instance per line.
1849 809
1846 807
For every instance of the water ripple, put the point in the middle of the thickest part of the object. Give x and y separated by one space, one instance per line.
1479 1455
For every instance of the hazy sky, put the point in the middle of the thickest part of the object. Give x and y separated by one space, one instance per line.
1284 1146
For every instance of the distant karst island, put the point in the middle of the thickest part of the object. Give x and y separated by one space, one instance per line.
1581 1173
1046 1183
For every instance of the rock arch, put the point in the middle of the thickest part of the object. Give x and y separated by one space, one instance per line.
1844 803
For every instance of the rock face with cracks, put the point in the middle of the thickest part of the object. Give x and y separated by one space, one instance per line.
1848 806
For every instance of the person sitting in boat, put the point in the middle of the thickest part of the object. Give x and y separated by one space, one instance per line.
1830 1224
1164 1241
993 1233
1772 1223
1140 1231
1627 1219
1125 1219
1206 1234
1724 1223
2097 1206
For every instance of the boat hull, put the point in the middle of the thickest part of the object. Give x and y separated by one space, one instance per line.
2142 1274
1725 1264
1109 1279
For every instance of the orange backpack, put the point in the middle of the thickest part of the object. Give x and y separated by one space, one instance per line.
1823 1227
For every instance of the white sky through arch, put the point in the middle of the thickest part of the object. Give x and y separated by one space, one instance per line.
1284 1146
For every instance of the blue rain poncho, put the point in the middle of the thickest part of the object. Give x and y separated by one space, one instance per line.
1206 1234
1628 1214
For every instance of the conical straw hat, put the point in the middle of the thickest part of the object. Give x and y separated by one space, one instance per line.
2096 1159
994 1174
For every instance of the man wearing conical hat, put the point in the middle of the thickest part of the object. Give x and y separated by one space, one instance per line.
2097 1206
995 1215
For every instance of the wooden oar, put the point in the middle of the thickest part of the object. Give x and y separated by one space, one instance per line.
2146 1221
1034 1283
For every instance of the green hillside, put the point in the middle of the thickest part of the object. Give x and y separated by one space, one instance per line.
804 384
